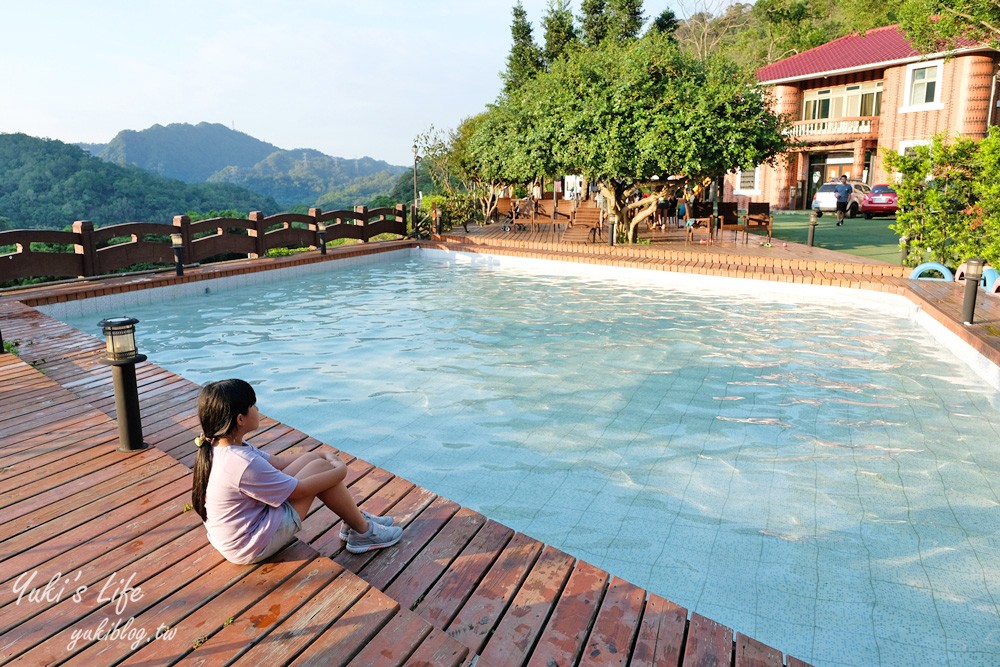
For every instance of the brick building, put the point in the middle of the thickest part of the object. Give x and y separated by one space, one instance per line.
857 96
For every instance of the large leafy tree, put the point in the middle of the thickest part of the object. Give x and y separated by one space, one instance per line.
524 61
624 112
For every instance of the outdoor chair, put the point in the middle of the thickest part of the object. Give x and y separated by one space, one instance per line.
728 218
758 219
699 215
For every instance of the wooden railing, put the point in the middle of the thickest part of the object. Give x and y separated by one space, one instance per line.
866 125
88 251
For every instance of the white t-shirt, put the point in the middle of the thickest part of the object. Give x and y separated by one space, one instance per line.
244 501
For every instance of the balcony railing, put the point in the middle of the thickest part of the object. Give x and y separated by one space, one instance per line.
866 125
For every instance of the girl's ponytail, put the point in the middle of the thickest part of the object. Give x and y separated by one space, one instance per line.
202 470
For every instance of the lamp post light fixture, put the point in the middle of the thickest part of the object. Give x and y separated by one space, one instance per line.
973 275
321 231
121 354
177 244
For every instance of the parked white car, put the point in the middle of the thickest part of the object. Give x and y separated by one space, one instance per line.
825 199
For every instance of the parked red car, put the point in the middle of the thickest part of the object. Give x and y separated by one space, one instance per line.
880 200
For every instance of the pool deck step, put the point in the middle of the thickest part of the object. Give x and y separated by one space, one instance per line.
459 588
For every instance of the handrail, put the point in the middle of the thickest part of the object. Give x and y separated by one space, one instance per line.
85 252
828 126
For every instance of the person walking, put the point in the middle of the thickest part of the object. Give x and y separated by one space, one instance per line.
843 190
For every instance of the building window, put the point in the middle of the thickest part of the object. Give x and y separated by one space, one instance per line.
871 104
747 182
923 86
906 147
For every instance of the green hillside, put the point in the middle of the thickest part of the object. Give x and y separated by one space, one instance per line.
47 184
191 153
214 153
305 176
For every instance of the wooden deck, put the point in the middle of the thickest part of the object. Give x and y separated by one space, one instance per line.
85 519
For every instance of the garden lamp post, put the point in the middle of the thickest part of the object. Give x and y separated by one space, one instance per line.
177 244
416 158
321 231
973 274
812 228
121 354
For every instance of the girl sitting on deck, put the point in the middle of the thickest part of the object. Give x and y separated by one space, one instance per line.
253 502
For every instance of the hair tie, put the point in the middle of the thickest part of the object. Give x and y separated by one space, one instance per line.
201 440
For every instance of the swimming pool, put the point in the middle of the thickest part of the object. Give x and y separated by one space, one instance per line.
819 477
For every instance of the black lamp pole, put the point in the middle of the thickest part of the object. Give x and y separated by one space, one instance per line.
414 212
122 356
973 274
177 244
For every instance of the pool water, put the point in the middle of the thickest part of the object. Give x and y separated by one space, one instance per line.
818 476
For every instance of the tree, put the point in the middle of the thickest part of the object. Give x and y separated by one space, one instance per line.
465 181
625 19
935 25
665 24
624 112
593 22
950 199
525 59
705 31
560 33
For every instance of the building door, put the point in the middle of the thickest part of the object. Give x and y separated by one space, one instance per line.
816 176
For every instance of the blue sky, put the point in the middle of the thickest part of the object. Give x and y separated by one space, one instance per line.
346 78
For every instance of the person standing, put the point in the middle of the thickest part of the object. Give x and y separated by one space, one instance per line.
843 190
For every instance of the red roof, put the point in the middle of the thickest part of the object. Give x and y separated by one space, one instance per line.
879 45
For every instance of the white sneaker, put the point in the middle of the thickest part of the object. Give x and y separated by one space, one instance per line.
377 537
345 529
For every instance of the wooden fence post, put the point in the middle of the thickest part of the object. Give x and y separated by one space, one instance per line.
84 229
320 240
258 230
363 210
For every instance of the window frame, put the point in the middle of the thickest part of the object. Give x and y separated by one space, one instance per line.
936 104
738 188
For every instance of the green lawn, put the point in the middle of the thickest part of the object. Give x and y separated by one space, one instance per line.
866 238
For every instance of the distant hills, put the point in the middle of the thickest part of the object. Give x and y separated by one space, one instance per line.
47 184
214 153
190 153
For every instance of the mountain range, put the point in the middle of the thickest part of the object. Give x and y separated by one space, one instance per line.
214 153
47 184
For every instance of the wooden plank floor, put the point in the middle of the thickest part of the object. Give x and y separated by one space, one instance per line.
102 563
459 588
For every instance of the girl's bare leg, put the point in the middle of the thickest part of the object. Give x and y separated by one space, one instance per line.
336 497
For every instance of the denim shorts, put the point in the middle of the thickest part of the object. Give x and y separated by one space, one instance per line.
291 523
